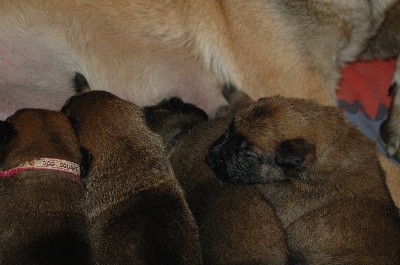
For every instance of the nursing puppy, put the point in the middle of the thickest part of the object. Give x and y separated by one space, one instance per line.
237 225
148 50
321 176
42 220
137 211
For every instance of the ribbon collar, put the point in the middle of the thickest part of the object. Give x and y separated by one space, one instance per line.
45 164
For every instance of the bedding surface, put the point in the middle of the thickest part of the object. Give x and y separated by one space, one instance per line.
364 96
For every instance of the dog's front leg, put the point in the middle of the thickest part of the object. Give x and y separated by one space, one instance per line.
390 129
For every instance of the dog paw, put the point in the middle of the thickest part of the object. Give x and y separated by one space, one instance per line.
390 139
234 96
390 128
236 99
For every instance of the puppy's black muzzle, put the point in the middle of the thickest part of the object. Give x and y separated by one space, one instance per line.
232 159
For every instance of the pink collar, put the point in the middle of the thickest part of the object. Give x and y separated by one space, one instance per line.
45 164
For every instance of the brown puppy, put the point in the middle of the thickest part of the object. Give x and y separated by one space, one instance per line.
237 226
321 176
42 220
137 211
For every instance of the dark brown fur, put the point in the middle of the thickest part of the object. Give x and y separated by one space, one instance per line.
237 226
137 210
385 43
320 174
42 220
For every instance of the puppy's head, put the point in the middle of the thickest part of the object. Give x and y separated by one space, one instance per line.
173 117
102 120
114 131
35 133
88 109
274 139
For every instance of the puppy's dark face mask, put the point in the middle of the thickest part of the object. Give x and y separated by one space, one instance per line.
233 158
263 148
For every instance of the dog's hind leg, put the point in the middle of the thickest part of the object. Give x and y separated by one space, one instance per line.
390 129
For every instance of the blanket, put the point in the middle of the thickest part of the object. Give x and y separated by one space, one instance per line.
364 97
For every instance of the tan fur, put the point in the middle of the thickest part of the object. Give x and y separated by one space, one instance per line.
137 210
392 178
320 174
42 220
262 47
236 224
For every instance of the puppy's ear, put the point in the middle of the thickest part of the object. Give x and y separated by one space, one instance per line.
85 162
7 132
292 153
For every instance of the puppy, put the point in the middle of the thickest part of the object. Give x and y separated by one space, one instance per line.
137 211
145 51
320 174
237 226
42 220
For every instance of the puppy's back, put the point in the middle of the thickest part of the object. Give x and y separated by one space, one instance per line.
133 198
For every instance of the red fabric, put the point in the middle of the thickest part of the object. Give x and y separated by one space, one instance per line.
367 83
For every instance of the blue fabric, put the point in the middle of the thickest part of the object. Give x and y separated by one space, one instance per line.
368 126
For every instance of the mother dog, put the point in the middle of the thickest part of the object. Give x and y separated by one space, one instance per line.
148 50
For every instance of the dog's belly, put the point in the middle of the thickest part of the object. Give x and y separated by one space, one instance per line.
32 74
37 71
184 77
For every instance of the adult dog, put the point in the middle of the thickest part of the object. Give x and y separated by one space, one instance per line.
321 176
148 50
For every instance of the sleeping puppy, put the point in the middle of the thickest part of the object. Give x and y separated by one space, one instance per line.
237 226
320 174
42 220
137 211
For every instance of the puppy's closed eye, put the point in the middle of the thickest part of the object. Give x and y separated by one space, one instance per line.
292 153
